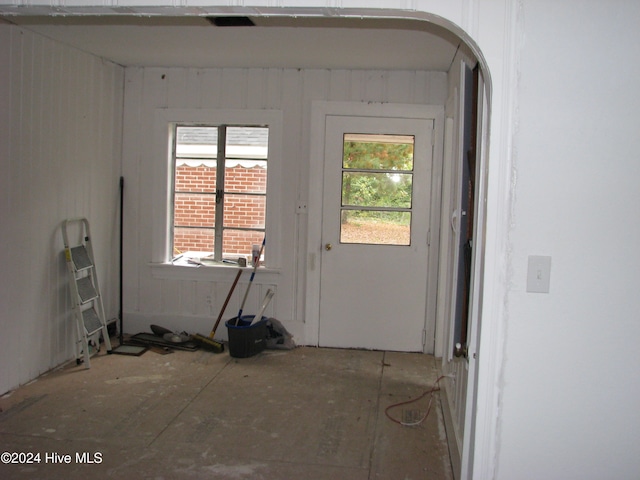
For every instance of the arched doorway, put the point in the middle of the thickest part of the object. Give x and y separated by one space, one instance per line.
424 21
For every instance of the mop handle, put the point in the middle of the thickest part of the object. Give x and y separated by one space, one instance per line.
263 307
253 273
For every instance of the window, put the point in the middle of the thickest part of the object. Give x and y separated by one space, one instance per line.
219 190
377 184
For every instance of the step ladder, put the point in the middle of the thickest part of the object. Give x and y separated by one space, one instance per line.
88 309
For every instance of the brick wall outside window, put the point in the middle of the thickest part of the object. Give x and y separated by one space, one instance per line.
197 208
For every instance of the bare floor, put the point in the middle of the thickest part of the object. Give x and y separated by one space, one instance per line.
308 413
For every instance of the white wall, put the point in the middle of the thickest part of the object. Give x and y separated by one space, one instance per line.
60 112
571 383
189 300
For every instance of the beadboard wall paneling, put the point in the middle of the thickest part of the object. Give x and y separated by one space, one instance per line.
187 304
60 152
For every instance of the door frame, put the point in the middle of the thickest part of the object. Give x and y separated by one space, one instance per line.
319 111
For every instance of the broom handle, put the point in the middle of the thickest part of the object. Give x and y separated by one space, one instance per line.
224 306
255 267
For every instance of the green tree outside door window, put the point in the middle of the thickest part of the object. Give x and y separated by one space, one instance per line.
377 183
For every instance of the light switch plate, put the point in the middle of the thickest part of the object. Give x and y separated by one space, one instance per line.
539 274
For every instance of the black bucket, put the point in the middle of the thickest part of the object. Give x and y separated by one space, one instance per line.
246 340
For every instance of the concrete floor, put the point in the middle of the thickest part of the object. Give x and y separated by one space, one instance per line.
309 413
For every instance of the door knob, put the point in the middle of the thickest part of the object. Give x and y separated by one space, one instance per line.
328 246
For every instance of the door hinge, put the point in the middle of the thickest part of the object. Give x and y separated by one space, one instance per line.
424 337
428 238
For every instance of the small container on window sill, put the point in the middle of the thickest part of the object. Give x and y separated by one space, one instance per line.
255 254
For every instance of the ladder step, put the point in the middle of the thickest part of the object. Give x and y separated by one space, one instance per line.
81 258
86 290
91 321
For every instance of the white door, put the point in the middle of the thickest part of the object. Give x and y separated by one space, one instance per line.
375 225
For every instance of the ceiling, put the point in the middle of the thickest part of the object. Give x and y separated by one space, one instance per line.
281 42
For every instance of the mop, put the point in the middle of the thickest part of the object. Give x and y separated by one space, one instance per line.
253 274
263 307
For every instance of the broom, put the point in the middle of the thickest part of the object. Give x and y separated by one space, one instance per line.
208 342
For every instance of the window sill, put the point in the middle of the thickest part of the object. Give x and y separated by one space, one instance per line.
210 272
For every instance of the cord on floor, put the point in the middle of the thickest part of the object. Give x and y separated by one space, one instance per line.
433 390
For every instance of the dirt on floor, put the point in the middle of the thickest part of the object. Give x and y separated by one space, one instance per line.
375 232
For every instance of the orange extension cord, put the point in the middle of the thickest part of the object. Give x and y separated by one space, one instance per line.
433 390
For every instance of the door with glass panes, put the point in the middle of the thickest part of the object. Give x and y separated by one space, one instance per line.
375 223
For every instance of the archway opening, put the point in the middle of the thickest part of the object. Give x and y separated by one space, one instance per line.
339 39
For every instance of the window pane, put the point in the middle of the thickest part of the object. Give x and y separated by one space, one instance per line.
194 210
247 142
195 176
239 242
378 152
242 215
197 142
376 189
244 211
375 227
377 172
192 239
245 176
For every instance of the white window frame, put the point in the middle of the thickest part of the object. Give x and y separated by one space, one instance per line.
224 154
162 178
